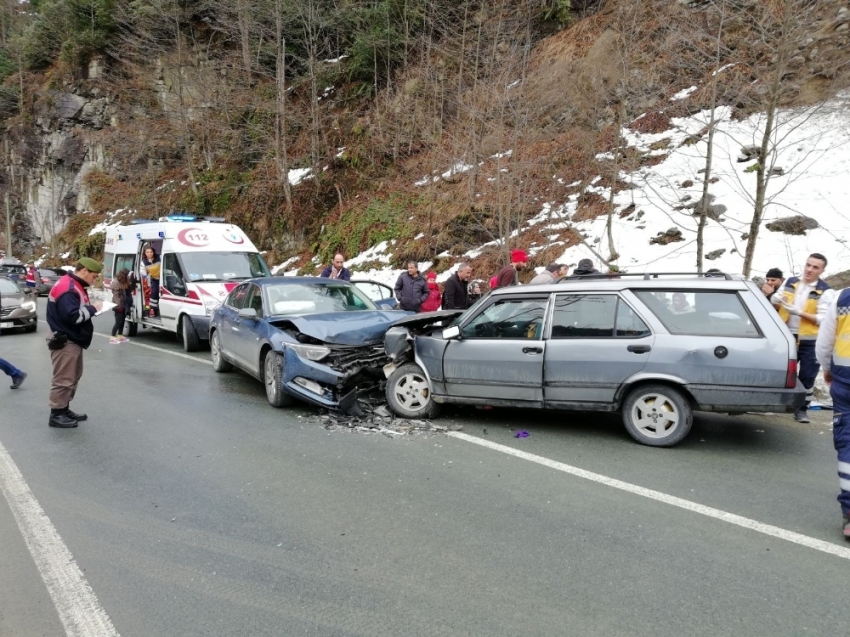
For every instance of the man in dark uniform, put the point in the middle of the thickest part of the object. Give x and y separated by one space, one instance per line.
833 354
69 315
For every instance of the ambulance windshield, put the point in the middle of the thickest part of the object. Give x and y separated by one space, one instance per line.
223 266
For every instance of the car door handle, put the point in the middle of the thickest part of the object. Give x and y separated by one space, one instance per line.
639 349
532 350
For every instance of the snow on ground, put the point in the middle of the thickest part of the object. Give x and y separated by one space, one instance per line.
297 175
109 223
812 148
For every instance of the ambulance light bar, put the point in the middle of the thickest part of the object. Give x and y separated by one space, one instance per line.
181 217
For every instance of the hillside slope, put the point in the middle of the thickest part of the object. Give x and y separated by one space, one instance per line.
486 126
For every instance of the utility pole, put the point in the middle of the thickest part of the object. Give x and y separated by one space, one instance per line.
8 226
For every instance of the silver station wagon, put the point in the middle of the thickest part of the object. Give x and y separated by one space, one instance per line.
657 348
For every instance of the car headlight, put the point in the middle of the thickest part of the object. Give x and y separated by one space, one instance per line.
210 305
310 352
29 306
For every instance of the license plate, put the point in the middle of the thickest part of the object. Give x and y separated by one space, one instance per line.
5 326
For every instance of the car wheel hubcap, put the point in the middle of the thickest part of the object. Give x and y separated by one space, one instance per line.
655 416
411 391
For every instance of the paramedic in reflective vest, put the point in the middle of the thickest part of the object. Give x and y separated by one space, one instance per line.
833 352
802 304
69 315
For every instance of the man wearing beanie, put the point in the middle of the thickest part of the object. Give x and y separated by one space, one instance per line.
508 275
585 268
69 315
773 281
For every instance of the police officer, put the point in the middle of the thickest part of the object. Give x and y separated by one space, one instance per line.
833 353
802 304
69 315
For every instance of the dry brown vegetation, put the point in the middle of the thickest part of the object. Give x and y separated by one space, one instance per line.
479 84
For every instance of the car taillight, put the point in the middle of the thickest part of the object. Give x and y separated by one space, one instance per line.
44 279
193 295
791 378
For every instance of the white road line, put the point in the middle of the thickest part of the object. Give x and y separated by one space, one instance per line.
166 351
158 349
731 518
80 612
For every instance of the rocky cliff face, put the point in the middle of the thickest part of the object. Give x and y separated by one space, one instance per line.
51 157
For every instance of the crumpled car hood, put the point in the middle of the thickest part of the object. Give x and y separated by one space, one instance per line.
344 328
424 319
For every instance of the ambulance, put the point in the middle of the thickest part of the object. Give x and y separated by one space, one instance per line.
201 260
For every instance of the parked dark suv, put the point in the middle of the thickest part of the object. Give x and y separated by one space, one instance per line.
656 348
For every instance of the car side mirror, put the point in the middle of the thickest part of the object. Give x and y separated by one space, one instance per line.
248 313
451 333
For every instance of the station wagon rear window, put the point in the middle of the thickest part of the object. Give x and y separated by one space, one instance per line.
700 313
595 316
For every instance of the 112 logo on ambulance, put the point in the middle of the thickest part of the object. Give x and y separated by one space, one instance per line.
193 237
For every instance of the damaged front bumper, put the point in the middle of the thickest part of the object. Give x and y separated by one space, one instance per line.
332 381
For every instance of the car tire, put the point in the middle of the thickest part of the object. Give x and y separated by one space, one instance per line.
132 328
657 415
219 364
191 340
273 381
31 328
408 393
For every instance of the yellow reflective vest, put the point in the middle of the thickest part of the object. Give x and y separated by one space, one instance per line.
808 329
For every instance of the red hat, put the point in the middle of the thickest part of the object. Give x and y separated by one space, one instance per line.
431 276
519 256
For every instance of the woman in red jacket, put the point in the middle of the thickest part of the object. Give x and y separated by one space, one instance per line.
432 303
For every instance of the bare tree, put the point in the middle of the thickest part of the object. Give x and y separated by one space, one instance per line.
781 25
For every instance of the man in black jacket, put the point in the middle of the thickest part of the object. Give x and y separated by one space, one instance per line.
456 292
69 315
411 289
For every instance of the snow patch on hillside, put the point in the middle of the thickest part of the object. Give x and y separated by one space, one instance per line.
813 151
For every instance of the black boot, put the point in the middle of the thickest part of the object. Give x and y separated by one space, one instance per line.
75 416
58 418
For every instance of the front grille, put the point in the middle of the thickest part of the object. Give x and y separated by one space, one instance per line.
350 360
6 311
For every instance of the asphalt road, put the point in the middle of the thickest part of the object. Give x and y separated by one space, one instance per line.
194 508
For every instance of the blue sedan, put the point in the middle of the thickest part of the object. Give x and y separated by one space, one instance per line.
303 337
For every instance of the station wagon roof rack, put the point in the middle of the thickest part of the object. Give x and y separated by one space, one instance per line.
648 275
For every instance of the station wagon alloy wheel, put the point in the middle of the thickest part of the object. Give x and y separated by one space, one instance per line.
408 393
657 415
